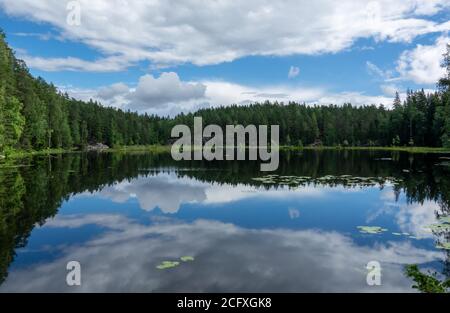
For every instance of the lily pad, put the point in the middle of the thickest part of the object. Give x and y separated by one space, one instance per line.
167 264
259 179
445 219
445 246
439 227
371 229
187 258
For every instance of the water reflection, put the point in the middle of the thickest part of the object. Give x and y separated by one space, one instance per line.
227 258
121 215
163 191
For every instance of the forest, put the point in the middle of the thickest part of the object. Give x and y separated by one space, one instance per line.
34 115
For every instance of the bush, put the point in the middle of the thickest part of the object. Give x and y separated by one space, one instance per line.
426 283
445 141
396 141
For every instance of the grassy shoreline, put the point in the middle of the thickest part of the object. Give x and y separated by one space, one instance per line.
14 154
393 149
162 149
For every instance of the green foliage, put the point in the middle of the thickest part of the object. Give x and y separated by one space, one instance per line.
445 141
396 141
426 283
13 121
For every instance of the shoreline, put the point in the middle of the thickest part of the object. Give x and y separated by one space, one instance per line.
161 149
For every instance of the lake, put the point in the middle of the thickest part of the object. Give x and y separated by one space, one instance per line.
224 226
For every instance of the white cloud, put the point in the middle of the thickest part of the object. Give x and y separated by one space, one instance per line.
225 93
108 64
374 69
42 36
422 65
110 92
355 98
293 72
162 191
165 95
211 32
389 90
154 92
168 95
414 218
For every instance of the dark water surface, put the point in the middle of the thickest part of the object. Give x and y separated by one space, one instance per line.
122 215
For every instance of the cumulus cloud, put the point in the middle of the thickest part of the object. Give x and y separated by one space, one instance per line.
423 63
199 32
293 72
389 90
165 94
168 95
110 92
154 92
414 218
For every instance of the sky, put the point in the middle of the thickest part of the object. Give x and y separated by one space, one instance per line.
165 56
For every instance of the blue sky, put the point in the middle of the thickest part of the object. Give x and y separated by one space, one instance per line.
168 57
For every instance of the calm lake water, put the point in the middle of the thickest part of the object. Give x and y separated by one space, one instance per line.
122 215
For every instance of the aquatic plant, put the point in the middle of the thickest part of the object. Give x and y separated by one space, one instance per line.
426 283
439 227
167 264
328 179
444 245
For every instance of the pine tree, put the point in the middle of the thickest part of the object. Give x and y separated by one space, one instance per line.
444 86
2 120
84 134
12 120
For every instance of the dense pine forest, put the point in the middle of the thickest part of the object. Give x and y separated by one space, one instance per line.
34 115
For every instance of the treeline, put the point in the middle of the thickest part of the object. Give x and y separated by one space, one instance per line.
34 115
421 120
